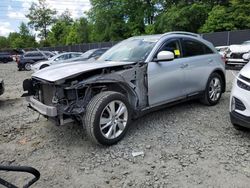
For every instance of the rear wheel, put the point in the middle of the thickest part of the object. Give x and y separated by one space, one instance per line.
213 90
107 117
27 66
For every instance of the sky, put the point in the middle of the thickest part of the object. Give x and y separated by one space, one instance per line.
12 12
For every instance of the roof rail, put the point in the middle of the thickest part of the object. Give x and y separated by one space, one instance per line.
183 33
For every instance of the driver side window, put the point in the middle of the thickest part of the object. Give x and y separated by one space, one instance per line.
172 46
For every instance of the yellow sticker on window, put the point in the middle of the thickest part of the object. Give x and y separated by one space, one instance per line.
177 52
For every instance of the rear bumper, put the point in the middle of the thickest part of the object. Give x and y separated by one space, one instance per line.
239 119
43 109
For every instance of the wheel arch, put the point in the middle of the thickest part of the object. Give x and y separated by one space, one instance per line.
122 88
43 66
223 77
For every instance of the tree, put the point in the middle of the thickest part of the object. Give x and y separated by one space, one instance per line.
182 17
240 13
218 20
60 30
4 43
23 39
41 17
79 32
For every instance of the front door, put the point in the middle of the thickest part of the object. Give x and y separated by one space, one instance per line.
165 78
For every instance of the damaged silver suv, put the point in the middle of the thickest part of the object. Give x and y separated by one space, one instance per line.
136 76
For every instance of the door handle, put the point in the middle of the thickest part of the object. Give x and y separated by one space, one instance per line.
185 65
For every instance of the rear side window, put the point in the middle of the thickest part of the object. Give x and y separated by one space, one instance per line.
75 55
194 48
32 54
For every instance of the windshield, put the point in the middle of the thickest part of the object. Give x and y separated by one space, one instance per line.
54 57
130 50
87 54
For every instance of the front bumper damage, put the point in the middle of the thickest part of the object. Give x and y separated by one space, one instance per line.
67 100
43 109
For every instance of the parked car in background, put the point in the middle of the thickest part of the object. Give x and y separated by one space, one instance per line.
27 59
222 50
5 57
240 99
138 75
55 60
93 53
1 86
234 53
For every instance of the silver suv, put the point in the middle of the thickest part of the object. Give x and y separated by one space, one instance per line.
134 77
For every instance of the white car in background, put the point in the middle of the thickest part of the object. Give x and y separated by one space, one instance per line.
54 60
240 99
234 53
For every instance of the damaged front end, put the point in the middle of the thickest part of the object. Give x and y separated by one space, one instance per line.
66 101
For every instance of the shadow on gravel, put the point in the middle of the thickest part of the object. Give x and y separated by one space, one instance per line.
4 102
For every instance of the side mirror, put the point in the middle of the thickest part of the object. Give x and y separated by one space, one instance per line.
165 56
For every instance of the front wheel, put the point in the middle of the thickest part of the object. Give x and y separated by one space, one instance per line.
27 66
107 117
213 90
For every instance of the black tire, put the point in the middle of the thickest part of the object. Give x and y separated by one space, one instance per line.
43 66
93 114
206 98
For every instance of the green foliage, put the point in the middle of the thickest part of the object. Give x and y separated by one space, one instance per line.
236 16
4 43
60 30
41 17
79 32
23 39
183 18
219 20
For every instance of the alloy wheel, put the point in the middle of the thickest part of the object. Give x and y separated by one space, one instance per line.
113 119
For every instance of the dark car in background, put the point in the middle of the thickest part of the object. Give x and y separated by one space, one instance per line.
27 59
5 57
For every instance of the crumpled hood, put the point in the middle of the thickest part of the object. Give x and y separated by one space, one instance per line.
239 48
245 71
66 70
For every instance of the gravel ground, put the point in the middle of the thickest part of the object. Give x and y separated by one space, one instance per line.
188 145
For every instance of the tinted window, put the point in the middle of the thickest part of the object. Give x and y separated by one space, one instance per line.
32 54
208 50
194 48
172 46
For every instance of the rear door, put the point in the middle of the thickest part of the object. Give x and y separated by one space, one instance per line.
198 62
